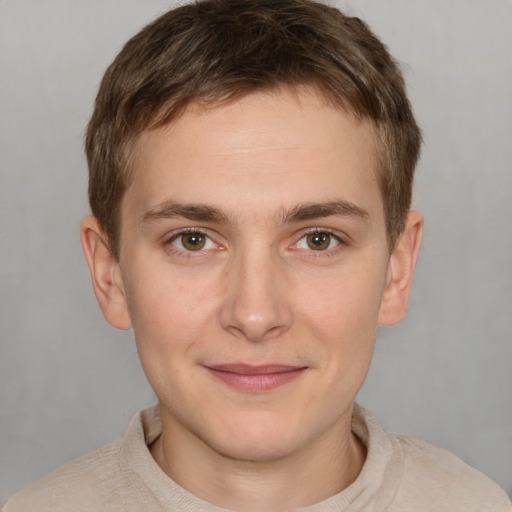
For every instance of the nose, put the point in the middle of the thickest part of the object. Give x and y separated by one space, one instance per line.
256 305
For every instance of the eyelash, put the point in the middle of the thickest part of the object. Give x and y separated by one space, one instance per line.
341 241
168 243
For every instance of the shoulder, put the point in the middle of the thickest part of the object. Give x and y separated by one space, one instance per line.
112 478
442 482
79 485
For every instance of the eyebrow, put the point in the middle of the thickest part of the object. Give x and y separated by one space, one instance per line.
171 209
310 211
301 212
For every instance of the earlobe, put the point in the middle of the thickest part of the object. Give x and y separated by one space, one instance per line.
105 274
395 301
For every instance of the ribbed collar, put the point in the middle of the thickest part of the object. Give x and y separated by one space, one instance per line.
373 490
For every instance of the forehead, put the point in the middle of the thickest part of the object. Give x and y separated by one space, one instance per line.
270 149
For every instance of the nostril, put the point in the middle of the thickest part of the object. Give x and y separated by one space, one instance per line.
256 327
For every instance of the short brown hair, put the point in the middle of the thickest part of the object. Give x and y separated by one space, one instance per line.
214 51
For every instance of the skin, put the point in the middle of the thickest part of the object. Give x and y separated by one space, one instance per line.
252 182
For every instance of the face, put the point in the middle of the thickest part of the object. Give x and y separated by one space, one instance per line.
254 269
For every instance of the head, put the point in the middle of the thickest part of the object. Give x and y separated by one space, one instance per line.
214 52
251 168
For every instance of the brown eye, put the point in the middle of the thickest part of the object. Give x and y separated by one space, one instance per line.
319 241
193 241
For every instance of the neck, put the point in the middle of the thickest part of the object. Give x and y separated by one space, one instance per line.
310 475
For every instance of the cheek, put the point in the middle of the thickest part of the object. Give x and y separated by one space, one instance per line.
166 311
342 315
344 301
165 293
166 329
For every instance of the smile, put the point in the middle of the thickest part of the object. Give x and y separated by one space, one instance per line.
255 378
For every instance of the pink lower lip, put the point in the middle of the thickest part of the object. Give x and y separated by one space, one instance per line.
254 379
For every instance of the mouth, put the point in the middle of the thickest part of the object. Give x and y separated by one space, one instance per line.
255 378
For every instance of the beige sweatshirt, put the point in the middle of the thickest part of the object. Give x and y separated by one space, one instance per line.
400 474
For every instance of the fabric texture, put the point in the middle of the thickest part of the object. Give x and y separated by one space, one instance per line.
400 474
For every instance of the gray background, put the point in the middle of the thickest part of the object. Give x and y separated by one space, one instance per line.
70 383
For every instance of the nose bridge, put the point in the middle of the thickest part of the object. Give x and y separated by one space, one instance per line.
255 305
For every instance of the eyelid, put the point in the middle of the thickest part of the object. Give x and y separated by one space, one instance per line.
189 229
170 238
341 238
317 229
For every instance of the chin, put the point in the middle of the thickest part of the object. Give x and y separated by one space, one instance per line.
259 440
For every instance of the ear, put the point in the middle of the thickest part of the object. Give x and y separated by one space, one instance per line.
395 301
105 274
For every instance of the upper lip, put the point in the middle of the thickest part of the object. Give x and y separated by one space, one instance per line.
246 369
